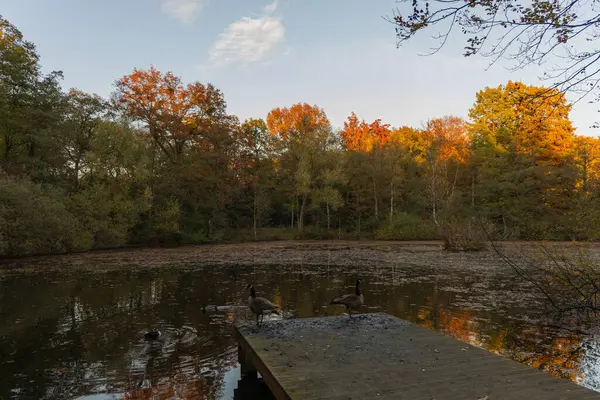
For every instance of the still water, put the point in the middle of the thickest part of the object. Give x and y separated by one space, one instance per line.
79 334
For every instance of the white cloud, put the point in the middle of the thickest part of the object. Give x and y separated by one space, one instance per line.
270 9
249 40
184 10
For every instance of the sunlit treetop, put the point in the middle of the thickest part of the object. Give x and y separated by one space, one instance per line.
176 115
517 117
361 136
296 121
149 91
447 139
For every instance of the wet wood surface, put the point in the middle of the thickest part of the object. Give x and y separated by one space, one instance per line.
378 356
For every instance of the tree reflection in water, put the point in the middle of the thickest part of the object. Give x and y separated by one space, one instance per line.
67 336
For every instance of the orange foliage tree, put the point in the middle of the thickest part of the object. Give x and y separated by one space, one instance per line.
446 153
177 116
361 136
190 126
447 139
297 121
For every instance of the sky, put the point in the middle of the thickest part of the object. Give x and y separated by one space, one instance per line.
338 54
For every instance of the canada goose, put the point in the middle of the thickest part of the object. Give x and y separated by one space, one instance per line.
152 335
351 301
260 305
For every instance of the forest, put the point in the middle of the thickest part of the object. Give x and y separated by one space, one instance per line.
162 162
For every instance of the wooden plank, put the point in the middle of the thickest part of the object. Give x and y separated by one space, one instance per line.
381 356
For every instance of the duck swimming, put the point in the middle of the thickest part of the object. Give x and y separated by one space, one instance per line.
152 335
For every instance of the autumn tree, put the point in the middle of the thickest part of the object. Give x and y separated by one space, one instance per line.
587 162
445 156
362 137
178 117
405 173
523 155
586 207
304 133
198 139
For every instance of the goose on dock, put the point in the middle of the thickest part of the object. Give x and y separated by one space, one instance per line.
351 301
259 305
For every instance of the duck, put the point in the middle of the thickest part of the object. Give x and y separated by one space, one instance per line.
351 301
260 305
152 335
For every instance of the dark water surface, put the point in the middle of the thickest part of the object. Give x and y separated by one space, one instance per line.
79 334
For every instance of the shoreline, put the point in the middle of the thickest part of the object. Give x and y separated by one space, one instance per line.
291 252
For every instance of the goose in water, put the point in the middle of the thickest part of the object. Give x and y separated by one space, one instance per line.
152 335
351 301
215 308
259 305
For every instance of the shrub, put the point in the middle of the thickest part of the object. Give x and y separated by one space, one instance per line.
406 226
466 234
35 220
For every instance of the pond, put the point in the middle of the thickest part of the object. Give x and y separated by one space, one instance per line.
72 327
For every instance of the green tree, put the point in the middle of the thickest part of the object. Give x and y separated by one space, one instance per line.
257 147
30 105
83 114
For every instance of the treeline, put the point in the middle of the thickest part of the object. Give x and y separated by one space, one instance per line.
163 162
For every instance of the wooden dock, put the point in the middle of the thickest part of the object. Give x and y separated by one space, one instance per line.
378 356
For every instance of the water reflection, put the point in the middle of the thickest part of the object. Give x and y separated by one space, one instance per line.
65 337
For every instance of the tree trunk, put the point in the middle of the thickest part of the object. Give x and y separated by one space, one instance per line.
76 175
254 217
293 208
328 220
391 201
358 211
376 201
7 145
585 170
473 191
151 183
301 215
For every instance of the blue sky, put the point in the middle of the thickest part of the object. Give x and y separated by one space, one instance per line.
338 54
